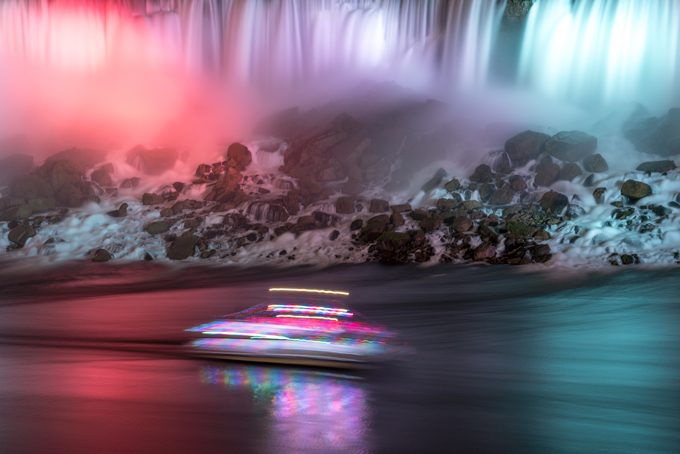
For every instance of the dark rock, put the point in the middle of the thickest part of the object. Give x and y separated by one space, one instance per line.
203 170
334 235
595 163
589 181
227 189
540 253
452 185
598 195
486 190
435 181
396 219
547 172
82 158
502 196
482 174
356 224
187 204
100 255
20 234
13 166
540 235
502 164
238 156
121 212
569 171
378 206
656 166
462 224
484 251
149 198
344 205
102 175
554 202
571 146
430 223
401 208
517 183
67 181
158 227
470 205
374 227
525 146
659 136
178 186
447 204
635 190
182 247
130 183
152 161
272 211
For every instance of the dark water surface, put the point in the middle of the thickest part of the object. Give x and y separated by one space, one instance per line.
508 360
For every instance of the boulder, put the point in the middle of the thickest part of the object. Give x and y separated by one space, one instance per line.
149 198
571 146
547 172
20 234
378 206
374 227
13 166
502 164
182 247
356 224
100 255
344 205
482 174
517 183
31 186
238 156
462 224
484 251
452 185
130 183
435 181
121 212
554 202
502 196
158 227
595 163
83 158
401 208
598 195
152 161
657 166
635 190
102 175
659 136
525 146
569 171
227 189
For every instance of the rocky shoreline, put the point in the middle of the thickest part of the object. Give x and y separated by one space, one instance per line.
313 195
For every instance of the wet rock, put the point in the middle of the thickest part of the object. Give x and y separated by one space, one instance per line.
589 181
657 166
13 166
67 182
540 235
569 171
203 170
525 146
149 198
598 195
462 224
659 136
447 204
100 255
227 189
540 253
334 235
102 175
401 208
547 172
470 205
486 190
484 251
482 174
502 164
356 224
178 186
20 234
629 259
397 219
402 247
502 196
182 247
271 211
635 190
344 205
517 183
82 158
378 206
571 146
152 161
430 223
188 204
595 163
158 227
130 183
453 185
554 202
238 156
435 181
120 212
374 227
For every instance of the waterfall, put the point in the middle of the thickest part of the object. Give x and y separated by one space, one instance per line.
275 43
597 51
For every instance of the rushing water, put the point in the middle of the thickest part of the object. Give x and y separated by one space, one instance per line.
587 51
506 361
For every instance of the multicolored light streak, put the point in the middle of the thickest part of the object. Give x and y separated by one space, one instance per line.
311 310
314 317
309 290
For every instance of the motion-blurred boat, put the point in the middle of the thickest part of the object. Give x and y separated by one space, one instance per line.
302 327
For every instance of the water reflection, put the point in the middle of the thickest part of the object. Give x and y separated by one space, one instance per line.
308 410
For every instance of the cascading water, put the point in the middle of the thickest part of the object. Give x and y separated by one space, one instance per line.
602 50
